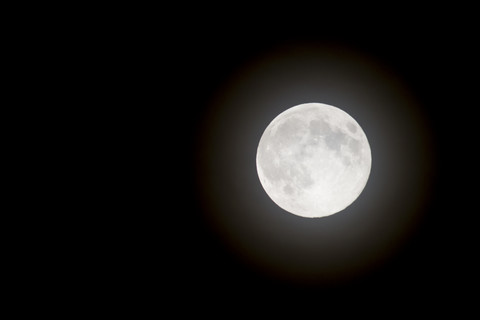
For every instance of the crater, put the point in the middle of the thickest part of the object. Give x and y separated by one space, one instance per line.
335 140
288 189
305 179
288 131
270 164
352 127
354 145
319 127
346 161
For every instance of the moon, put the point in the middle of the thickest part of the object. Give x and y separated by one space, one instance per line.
313 160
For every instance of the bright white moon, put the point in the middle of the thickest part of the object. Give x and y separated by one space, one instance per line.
313 160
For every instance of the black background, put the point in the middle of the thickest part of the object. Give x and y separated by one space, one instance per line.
118 99
163 244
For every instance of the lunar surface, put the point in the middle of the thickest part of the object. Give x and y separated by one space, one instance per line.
313 160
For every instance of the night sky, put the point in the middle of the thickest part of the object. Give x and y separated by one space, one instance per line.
214 232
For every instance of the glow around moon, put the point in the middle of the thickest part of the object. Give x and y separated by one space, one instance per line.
313 160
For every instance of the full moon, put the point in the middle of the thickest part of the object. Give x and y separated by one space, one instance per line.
313 160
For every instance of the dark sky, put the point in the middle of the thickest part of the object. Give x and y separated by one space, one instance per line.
220 83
